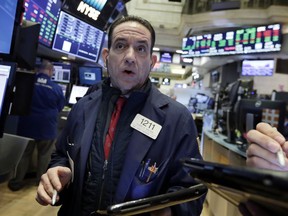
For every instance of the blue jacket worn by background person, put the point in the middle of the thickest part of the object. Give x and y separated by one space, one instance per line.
47 101
177 139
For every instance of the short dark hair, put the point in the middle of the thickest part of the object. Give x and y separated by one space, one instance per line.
46 65
131 18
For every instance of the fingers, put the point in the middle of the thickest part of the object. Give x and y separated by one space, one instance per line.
266 136
44 191
65 175
271 132
55 179
262 158
285 147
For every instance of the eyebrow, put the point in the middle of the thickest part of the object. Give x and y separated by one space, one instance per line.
146 42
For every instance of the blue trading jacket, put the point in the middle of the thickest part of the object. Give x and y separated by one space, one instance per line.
47 101
176 140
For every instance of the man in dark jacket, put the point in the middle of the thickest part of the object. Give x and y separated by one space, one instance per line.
152 134
40 125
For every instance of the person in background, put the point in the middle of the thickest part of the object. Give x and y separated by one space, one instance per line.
142 157
268 148
40 125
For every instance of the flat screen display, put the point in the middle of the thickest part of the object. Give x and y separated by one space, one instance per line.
61 72
77 38
166 57
257 68
7 77
77 92
8 19
89 75
266 38
46 13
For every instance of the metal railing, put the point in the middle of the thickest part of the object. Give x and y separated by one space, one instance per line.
201 6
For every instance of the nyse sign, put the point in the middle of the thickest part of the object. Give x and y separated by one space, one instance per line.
87 10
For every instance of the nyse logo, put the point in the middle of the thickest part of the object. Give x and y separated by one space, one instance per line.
42 80
88 10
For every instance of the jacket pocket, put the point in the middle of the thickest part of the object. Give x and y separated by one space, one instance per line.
146 181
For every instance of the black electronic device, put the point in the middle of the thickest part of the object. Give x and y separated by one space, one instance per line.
10 19
89 75
77 38
27 44
281 96
98 13
238 184
7 79
232 94
46 13
23 93
153 203
258 39
249 112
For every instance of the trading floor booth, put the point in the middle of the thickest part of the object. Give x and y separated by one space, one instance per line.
11 149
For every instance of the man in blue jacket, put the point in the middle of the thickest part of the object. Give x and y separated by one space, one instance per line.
40 125
153 132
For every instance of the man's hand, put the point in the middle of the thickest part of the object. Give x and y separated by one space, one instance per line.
265 142
55 178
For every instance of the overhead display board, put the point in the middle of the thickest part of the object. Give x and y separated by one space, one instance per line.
260 39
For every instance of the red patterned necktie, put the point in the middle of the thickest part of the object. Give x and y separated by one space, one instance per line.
112 127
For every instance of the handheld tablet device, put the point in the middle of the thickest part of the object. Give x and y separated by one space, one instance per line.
267 188
153 203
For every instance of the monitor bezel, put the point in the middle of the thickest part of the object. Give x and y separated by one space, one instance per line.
8 95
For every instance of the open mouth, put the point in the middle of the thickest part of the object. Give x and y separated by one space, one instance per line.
128 72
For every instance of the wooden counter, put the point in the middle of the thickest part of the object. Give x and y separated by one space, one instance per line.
215 149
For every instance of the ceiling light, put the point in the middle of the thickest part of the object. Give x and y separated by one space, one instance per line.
156 49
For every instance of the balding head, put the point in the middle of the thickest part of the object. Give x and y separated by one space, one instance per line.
46 67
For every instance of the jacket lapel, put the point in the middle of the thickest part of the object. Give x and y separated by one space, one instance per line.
139 146
90 114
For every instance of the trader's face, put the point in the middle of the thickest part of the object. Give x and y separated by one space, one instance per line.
129 60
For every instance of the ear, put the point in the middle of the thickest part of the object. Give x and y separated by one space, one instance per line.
154 60
105 53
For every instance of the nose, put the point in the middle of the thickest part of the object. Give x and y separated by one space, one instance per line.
129 56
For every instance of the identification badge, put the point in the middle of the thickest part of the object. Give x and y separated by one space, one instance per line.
146 126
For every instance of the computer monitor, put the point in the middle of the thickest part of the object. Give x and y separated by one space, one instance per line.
7 78
257 67
77 38
77 92
61 72
46 13
89 75
10 19
252 111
